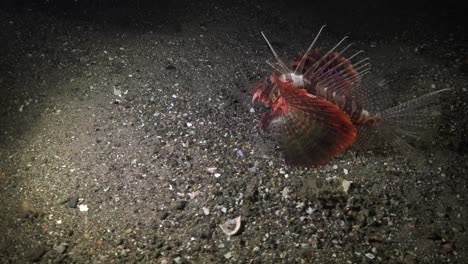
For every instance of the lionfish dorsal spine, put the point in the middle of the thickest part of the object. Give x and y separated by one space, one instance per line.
284 68
301 62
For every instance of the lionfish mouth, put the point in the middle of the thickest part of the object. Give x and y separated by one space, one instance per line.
255 97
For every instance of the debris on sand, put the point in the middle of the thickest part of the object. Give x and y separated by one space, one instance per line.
345 184
231 227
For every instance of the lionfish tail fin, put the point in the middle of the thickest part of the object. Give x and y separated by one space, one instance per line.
411 122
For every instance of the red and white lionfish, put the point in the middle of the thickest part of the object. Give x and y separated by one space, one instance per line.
320 107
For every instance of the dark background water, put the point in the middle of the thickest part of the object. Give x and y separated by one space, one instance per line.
381 17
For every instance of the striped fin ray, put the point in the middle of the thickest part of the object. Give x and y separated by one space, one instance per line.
412 121
331 70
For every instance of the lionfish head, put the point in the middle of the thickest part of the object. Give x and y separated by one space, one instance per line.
265 91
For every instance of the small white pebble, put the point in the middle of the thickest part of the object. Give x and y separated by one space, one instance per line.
83 207
217 175
206 211
345 171
252 110
211 169
117 92
285 193
189 124
345 185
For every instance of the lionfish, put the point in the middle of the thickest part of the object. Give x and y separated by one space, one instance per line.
320 106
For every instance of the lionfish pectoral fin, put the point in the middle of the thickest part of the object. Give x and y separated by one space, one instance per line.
310 130
271 119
